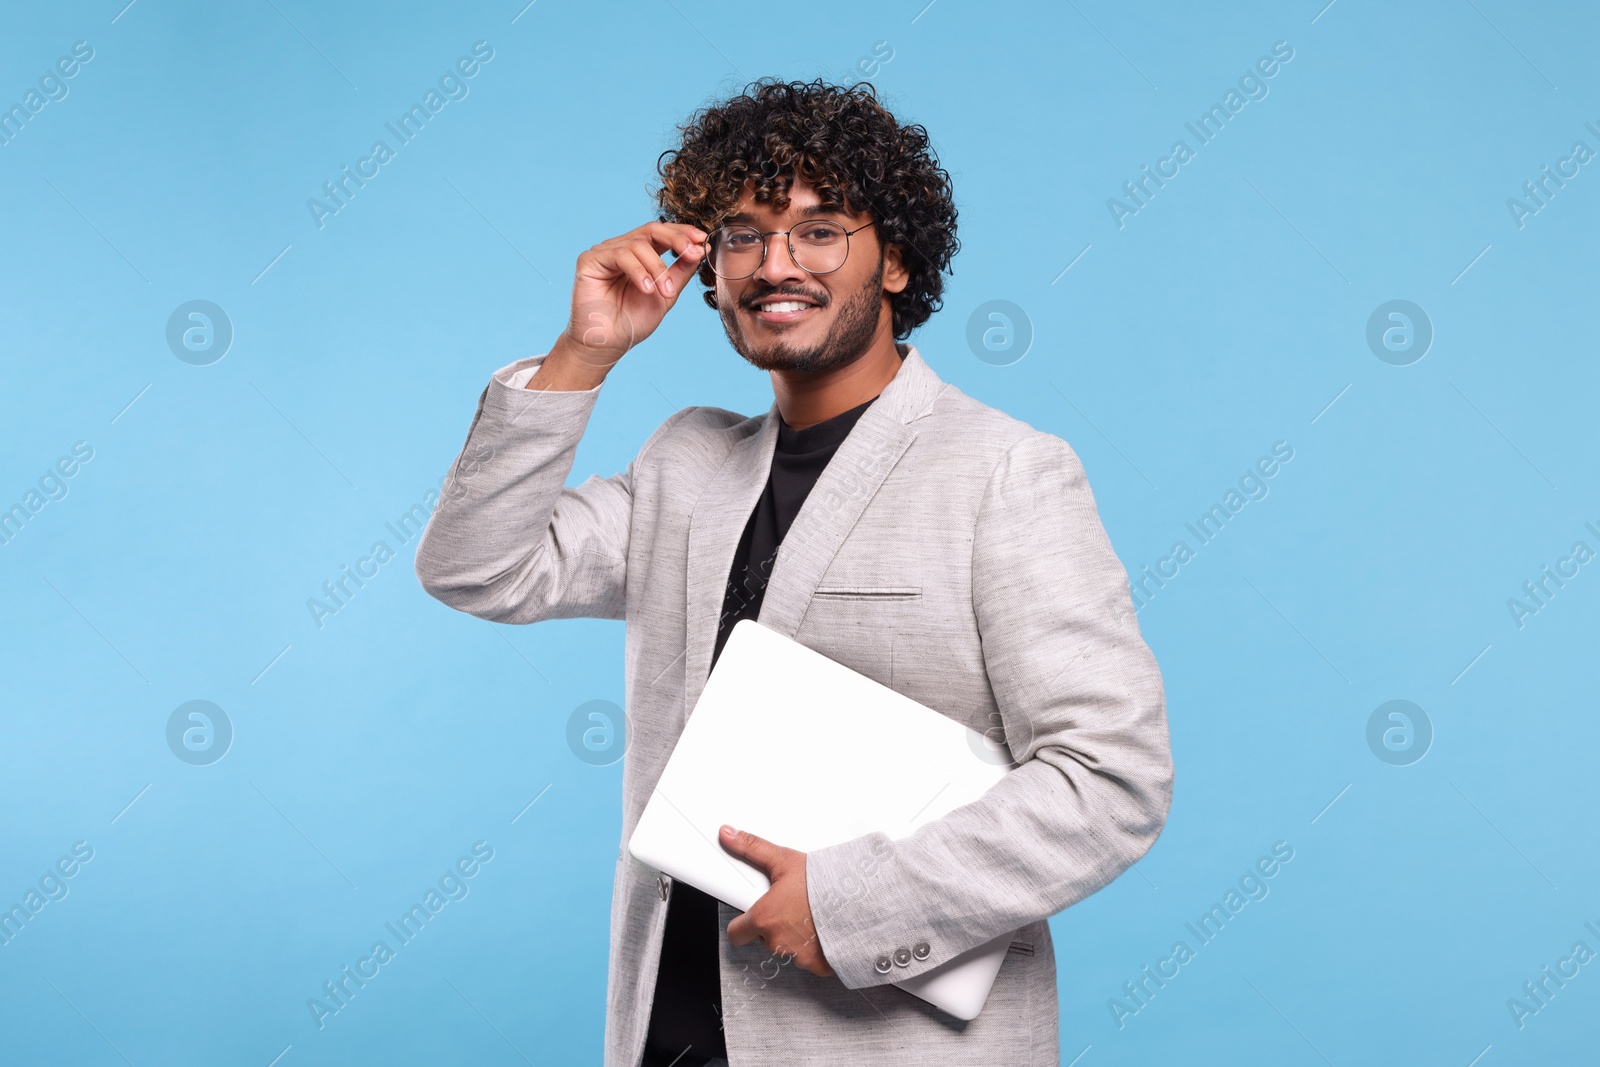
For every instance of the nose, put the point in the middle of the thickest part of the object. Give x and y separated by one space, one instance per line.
778 265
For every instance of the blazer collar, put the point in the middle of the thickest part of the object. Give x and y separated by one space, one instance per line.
851 478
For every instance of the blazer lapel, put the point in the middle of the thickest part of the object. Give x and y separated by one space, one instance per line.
715 527
850 480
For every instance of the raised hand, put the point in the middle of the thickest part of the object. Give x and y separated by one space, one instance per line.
621 291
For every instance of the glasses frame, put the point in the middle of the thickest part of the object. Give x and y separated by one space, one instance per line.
766 243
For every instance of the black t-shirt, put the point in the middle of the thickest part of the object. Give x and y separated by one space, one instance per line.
688 998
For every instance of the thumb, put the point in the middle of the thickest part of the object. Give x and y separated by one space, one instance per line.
752 849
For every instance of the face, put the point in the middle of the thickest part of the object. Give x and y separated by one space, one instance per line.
844 309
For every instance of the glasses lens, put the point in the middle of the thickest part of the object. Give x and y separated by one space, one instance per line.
819 246
735 252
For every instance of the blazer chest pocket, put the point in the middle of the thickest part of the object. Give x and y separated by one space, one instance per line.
876 594
857 624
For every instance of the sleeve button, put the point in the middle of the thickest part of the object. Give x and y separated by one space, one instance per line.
902 957
882 965
921 950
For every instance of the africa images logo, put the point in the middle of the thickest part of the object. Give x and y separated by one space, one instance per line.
452 885
452 86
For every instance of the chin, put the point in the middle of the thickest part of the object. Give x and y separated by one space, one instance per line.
786 358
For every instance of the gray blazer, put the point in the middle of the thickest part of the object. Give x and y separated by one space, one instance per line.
949 551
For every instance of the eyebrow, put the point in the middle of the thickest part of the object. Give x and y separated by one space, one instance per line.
805 212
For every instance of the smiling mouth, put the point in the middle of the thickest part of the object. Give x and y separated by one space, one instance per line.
779 311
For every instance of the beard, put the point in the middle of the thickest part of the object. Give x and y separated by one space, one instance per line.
846 341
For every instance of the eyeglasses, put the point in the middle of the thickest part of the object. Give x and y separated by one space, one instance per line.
817 247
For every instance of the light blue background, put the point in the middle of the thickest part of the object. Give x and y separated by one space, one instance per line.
1228 314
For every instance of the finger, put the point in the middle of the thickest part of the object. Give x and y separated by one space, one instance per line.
752 849
619 260
670 235
814 961
653 264
641 268
741 930
669 280
683 268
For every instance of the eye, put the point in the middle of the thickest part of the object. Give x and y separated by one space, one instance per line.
819 233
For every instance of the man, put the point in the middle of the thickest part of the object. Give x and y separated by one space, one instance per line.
873 513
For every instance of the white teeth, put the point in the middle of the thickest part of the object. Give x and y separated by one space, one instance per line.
784 305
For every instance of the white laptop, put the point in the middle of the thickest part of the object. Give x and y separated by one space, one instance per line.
775 713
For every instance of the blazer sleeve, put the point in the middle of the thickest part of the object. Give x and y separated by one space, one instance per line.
508 541
1084 715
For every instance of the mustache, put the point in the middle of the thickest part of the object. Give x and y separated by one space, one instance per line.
800 293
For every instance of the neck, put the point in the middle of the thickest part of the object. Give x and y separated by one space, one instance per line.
807 399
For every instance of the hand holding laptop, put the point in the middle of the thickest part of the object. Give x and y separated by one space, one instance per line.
851 728
781 919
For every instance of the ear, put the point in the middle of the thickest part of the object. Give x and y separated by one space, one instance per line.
895 275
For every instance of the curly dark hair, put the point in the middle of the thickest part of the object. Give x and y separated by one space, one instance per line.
842 142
